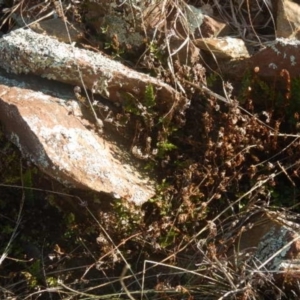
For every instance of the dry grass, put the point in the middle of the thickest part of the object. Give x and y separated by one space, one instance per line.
229 160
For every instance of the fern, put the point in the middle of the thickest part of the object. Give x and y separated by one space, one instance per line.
149 96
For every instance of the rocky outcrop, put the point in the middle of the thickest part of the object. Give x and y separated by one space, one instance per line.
54 132
55 139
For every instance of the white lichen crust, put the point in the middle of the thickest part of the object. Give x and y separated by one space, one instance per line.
61 146
24 51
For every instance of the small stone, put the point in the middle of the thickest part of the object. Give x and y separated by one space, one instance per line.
56 28
288 18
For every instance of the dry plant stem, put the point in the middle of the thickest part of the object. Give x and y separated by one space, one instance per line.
86 248
205 89
286 174
285 135
155 263
48 290
36 21
284 149
98 122
18 222
115 246
81 202
107 254
225 296
255 187
107 283
115 296
90 296
11 13
126 267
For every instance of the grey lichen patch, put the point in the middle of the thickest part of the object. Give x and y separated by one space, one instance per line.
16 140
27 51
287 41
293 60
235 47
274 247
273 66
75 149
273 47
227 47
117 25
194 17
283 43
23 50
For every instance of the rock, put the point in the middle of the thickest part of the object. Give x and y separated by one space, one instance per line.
268 63
56 28
57 141
224 48
201 23
24 51
288 18
212 27
119 23
279 249
273 242
192 19
156 17
185 53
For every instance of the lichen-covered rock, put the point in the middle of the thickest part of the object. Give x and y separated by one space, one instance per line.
56 28
24 51
288 18
60 145
269 63
279 248
272 241
224 48
121 20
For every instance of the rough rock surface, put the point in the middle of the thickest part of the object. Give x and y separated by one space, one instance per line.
288 18
272 240
50 131
226 47
24 51
57 28
211 27
275 55
281 54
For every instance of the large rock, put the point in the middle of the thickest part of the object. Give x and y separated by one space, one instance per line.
51 132
24 51
268 63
